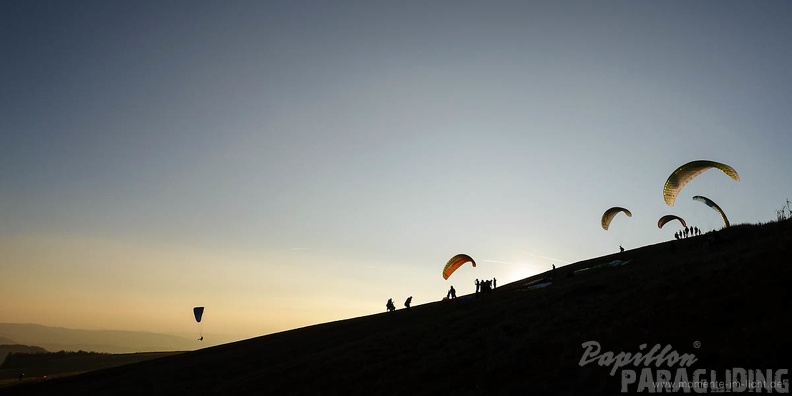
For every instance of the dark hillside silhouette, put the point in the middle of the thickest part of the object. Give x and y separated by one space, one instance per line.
6 349
56 364
727 301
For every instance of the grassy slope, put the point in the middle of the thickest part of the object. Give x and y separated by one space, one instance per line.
732 298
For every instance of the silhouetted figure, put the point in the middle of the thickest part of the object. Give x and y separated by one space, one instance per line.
494 283
676 235
553 274
389 305
478 286
487 286
451 292
621 249
21 375
408 302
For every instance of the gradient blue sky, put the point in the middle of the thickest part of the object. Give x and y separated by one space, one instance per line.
289 163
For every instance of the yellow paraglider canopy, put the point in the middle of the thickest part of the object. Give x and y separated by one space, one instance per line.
687 172
610 214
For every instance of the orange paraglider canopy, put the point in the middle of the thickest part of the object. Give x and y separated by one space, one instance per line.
455 263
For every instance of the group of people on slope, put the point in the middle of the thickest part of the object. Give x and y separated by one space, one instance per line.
687 232
483 286
390 307
486 286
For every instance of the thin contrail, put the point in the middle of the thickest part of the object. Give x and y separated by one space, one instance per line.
506 262
499 262
547 258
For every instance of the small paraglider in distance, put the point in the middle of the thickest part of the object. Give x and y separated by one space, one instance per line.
198 313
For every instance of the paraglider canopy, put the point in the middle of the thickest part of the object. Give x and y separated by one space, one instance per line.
610 214
687 172
665 219
713 205
198 312
455 263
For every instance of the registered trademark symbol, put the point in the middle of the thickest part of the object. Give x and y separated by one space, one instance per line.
696 344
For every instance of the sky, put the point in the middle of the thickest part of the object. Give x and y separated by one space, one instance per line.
287 163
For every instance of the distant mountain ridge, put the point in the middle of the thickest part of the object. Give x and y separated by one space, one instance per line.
108 341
